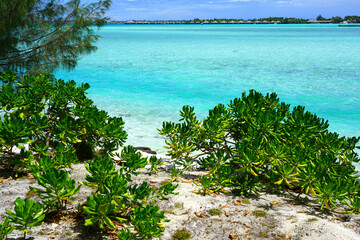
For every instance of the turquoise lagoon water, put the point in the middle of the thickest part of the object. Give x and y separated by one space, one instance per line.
146 73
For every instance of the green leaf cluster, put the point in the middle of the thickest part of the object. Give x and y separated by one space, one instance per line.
59 188
49 113
256 142
147 220
116 200
27 214
155 163
5 229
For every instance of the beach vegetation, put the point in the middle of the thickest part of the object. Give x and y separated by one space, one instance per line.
58 190
148 220
52 121
264 235
182 234
116 201
313 219
5 229
355 204
53 115
175 173
257 143
155 163
214 211
125 233
101 169
206 185
100 209
259 213
27 214
131 161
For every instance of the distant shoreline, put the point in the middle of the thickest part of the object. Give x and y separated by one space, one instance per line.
210 23
238 21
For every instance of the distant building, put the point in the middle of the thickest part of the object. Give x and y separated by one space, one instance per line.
318 21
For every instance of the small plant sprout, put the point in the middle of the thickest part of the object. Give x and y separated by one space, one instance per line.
179 205
182 234
263 235
259 213
312 219
175 174
214 211
155 163
206 185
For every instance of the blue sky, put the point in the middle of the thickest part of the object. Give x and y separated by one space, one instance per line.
208 9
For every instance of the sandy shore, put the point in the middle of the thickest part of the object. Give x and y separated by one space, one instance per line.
268 216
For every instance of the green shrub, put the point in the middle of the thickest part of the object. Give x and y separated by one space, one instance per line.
125 234
47 112
117 201
131 161
99 209
59 188
27 214
147 220
101 169
256 142
5 229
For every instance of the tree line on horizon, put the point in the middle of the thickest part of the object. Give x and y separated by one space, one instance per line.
284 20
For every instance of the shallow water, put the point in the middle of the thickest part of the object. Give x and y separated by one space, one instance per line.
146 73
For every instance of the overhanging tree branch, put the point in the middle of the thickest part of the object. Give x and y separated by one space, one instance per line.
49 34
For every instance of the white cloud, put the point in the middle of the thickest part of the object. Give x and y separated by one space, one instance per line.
315 2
